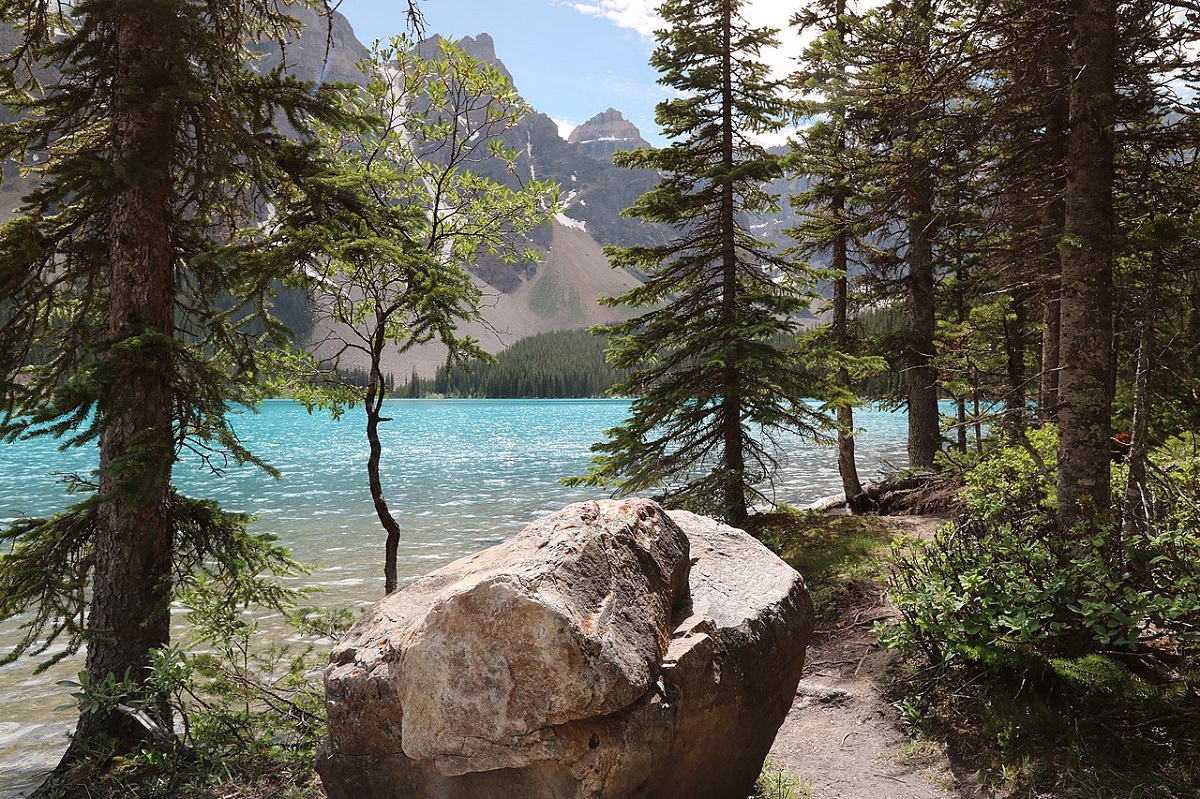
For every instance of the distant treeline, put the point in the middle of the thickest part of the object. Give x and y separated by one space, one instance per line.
564 365
546 366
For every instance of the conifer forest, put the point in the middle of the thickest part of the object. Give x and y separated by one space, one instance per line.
998 234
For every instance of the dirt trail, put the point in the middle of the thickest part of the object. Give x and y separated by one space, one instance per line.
842 735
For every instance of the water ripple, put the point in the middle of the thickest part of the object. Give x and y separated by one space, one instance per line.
459 475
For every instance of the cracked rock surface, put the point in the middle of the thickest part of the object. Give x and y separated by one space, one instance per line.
610 650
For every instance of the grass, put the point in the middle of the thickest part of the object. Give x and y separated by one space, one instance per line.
830 551
779 783
155 774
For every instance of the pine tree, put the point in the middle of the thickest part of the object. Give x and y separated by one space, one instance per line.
891 79
704 366
1085 382
825 156
156 151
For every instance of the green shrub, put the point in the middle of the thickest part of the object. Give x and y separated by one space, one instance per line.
1006 588
249 708
778 783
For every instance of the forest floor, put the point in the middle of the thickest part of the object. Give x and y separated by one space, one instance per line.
843 738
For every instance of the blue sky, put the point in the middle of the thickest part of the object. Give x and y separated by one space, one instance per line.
570 59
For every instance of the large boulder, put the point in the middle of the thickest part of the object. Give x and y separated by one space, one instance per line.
609 650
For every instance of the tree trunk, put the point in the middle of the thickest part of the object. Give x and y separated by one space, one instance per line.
924 436
1014 344
373 405
978 417
1050 360
921 379
1134 521
1087 259
1056 116
131 595
960 415
847 467
735 500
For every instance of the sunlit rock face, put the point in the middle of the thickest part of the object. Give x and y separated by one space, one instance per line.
607 133
609 650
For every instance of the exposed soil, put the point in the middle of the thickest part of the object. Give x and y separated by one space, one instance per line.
843 736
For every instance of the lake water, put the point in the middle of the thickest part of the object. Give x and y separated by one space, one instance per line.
459 475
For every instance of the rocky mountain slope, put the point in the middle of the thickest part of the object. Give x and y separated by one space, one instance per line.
606 134
558 293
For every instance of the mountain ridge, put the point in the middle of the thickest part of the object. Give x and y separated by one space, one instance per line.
561 291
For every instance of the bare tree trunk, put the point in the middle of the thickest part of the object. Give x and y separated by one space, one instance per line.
1133 521
374 409
1087 258
130 608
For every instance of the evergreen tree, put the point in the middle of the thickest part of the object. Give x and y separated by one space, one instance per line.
552 365
156 152
891 95
823 153
1085 382
704 367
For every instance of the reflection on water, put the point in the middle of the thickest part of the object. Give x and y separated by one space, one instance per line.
459 475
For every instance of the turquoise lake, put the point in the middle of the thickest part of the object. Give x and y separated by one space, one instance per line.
459 475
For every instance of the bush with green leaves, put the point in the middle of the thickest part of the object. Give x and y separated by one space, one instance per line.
247 702
249 707
776 782
1005 587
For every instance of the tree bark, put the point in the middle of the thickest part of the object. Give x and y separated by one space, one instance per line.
921 378
1056 117
130 609
1133 517
924 435
1087 261
1015 333
1050 360
735 500
847 467
373 405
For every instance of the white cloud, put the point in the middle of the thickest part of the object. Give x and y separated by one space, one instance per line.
636 15
641 16
565 126
770 14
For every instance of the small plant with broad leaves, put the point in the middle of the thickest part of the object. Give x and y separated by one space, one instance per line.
1059 653
1006 587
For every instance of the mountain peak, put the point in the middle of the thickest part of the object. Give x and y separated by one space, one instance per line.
482 46
607 133
483 49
